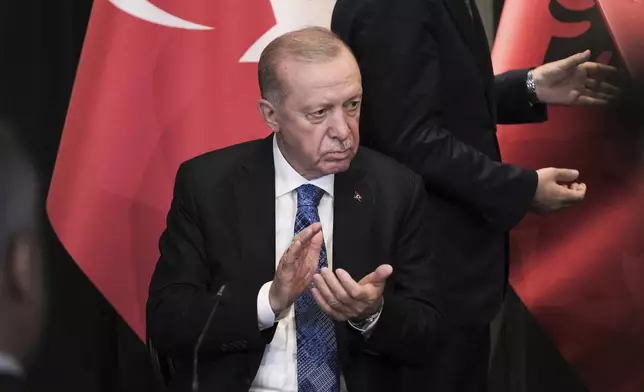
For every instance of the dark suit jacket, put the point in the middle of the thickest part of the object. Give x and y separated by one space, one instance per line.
10 383
432 102
221 229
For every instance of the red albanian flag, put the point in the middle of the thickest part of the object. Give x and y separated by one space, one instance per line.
581 271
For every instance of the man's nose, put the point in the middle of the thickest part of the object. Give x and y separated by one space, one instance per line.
339 126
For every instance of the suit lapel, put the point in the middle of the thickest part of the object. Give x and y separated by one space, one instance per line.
353 206
460 15
473 32
485 60
254 189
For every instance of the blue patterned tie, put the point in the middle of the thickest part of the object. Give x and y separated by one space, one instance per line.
317 354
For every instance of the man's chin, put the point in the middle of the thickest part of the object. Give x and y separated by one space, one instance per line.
337 166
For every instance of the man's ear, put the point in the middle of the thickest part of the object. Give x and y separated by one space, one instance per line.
269 113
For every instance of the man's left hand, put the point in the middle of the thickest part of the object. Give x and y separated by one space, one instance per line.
344 299
575 81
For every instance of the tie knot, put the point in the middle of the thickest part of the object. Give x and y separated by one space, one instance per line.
309 195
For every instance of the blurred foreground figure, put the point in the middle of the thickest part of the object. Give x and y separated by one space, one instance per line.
21 283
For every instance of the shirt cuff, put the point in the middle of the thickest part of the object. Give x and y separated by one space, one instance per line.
367 328
265 314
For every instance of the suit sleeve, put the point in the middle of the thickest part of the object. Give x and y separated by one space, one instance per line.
183 287
399 61
411 316
513 102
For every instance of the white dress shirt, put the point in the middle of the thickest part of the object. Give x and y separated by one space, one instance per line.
278 370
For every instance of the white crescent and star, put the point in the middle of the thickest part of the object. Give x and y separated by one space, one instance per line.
289 14
149 12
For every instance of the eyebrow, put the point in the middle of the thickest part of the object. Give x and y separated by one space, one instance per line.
357 96
326 105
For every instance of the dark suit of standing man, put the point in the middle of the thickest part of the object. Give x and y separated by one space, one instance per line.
354 213
432 102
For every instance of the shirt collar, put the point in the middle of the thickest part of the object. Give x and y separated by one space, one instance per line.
287 179
10 365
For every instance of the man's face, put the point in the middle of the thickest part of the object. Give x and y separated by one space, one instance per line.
317 122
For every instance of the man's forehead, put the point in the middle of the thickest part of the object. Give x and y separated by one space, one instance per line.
319 74
291 64
315 95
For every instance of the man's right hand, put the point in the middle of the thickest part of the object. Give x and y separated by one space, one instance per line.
556 190
296 268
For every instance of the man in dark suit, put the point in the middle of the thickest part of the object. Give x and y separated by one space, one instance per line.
21 282
361 240
432 102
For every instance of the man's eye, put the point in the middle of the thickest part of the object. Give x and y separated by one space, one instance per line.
318 113
353 105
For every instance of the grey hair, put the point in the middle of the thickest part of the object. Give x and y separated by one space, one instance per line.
310 44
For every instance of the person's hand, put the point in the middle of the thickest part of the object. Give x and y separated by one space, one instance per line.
344 299
296 268
556 190
574 81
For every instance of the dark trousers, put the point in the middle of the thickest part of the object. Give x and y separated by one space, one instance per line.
459 364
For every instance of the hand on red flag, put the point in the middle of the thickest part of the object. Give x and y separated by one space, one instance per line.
575 81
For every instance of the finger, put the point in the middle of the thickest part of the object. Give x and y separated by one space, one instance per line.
574 186
590 101
292 252
308 232
574 60
338 290
572 195
594 87
353 288
592 84
605 96
574 95
331 300
566 175
301 243
379 276
369 290
578 187
305 271
309 258
325 306
599 70
315 246
608 88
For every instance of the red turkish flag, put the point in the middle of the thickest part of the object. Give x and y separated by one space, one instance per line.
156 85
580 271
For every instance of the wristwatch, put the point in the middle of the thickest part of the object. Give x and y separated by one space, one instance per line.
532 88
362 324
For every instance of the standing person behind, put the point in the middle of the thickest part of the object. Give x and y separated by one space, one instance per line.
432 102
355 214
21 280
